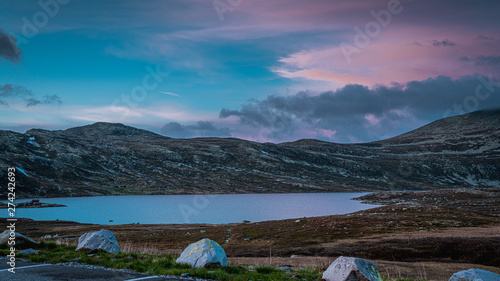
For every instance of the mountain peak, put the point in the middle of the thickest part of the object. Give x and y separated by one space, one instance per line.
104 129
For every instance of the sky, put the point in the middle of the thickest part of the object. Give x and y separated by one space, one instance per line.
342 71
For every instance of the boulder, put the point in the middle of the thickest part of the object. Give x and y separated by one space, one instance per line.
474 274
204 253
28 252
103 240
352 269
21 240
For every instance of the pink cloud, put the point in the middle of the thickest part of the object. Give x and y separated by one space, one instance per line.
327 133
391 57
372 120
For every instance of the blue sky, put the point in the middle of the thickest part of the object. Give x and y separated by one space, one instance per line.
341 71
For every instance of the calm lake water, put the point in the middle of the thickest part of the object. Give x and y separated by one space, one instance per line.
212 209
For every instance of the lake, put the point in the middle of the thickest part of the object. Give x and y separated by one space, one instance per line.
179 209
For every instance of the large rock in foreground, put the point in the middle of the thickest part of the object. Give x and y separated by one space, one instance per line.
352 269
474 274
103 240
204 253
21 240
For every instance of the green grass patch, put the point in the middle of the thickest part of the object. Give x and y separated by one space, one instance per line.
51 252
403 279
266 269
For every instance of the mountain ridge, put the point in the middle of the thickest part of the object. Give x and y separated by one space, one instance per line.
112 158
491 116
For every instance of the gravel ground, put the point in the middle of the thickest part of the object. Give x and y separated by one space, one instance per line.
94 267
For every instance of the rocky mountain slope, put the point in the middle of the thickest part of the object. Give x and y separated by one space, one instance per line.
106 159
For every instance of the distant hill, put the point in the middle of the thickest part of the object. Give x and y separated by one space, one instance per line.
107 159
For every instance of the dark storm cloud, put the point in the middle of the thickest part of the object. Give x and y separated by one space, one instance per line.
200 129
357 112
8 47
443 43
11 93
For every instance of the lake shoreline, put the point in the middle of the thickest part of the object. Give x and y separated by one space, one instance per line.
213 193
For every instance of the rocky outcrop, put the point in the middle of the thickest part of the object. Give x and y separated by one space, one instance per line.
352 269
20 239
103 239
204 253
474 274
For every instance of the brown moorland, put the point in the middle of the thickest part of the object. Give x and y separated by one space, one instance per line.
428 234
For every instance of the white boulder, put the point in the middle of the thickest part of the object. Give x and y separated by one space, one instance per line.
98 240
352 269
204 253
474 274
